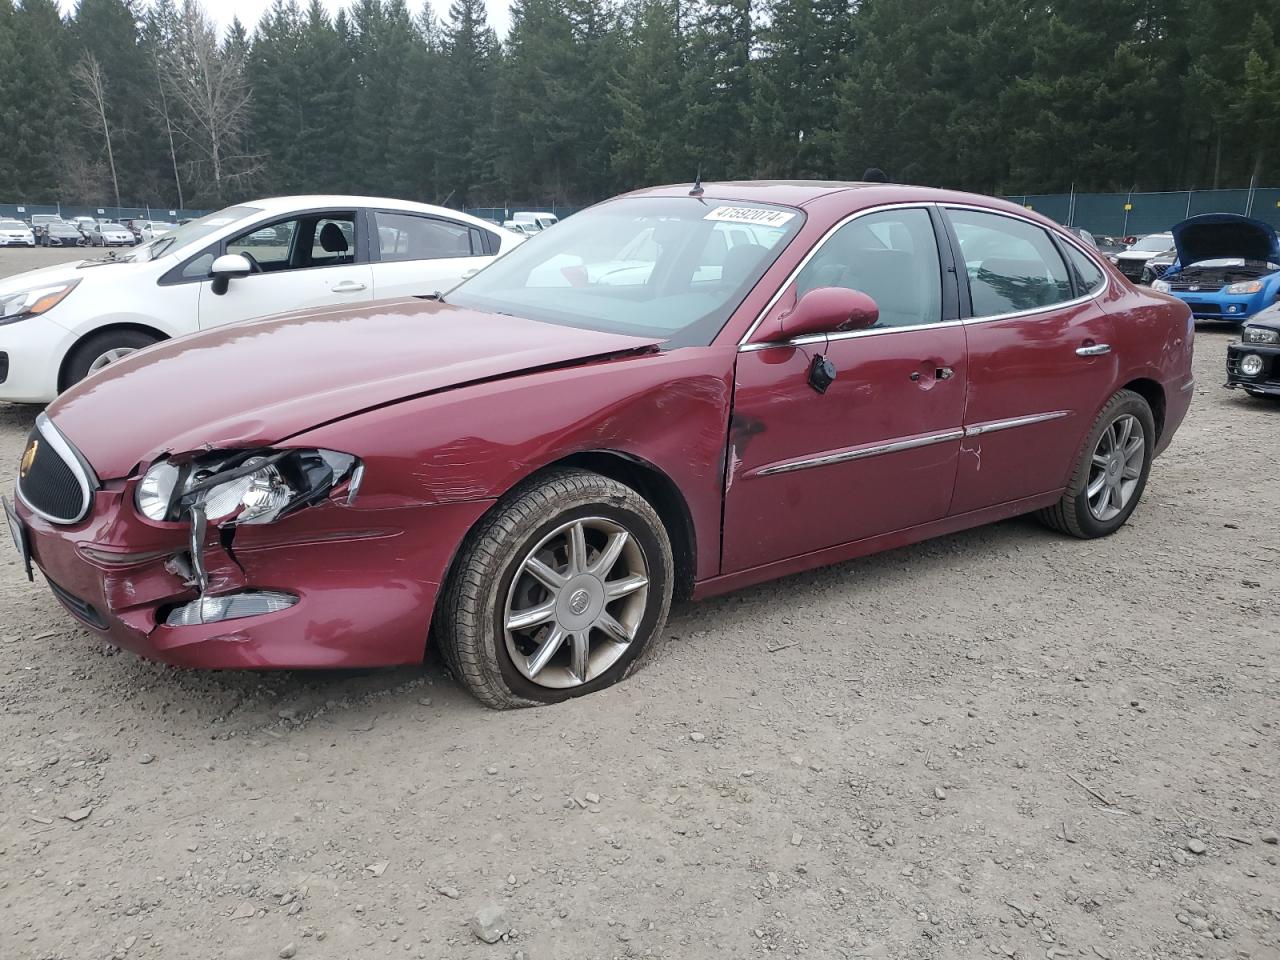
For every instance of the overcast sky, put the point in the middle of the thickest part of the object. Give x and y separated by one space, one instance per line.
250 11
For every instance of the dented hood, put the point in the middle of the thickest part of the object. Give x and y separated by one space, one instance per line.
260 382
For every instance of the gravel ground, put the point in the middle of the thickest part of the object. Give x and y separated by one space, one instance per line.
1002 743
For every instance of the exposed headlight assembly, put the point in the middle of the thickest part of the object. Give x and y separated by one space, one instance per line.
246 486
1260 335
1160 286
33 301
1244 287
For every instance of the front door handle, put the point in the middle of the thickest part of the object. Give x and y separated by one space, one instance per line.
470 273
1093 350
348 286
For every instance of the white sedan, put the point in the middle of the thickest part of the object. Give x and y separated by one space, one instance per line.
15 233
60 324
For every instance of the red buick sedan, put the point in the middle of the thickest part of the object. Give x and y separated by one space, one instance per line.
675 393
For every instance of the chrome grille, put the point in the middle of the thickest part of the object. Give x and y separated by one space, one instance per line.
53 480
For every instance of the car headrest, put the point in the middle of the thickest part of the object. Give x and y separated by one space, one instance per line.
332 239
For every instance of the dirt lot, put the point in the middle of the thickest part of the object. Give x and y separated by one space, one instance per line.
1000 743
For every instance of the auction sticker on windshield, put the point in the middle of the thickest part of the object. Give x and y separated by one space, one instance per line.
756 215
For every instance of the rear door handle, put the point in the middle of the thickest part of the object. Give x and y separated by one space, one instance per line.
348 286
1093 350
470 273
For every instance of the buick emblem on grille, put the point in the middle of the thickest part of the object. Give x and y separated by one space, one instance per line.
28 458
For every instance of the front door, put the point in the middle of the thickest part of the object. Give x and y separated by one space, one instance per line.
308 260
1040 366
877 451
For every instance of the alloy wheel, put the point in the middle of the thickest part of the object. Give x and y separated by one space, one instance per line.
110 357
576 602
1116 467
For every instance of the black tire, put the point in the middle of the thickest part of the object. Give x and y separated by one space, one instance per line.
469 626
91 348
1071 514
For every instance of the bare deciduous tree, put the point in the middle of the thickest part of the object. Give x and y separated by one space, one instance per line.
208 82
91 93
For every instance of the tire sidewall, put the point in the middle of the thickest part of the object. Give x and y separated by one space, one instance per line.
658 558
1126 403
88 351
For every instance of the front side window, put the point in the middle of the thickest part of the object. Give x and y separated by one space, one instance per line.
299 243
408 237
892 257
674 268
1012 265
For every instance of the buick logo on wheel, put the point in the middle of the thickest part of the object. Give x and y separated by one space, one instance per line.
579 600
28 458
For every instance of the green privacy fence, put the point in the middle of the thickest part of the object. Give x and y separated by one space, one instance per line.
1105 214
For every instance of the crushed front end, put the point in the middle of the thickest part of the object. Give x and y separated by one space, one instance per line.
237 558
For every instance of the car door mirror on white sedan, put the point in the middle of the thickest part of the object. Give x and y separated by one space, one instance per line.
227 268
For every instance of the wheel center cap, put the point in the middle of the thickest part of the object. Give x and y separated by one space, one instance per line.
580 602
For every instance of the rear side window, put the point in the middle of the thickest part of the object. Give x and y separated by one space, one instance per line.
1012 265
407 237
1091 276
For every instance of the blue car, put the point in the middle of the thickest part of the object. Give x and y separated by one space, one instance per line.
1228 266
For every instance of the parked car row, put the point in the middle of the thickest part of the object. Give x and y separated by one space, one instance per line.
662 397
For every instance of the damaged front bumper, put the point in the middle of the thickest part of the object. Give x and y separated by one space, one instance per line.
353 587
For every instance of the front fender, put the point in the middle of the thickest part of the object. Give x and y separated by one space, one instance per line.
477 442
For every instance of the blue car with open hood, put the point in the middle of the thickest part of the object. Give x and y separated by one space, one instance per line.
1228 266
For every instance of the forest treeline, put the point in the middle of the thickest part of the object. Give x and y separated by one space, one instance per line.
151 102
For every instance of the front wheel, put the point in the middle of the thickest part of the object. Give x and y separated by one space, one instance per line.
1112 471
101 350
557 592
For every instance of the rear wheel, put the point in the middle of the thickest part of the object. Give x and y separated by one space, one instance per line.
1112 471
102 350
557 592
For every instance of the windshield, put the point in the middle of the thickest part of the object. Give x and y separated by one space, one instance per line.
197 230
1154 244
667 267
12 225
112 226
63 229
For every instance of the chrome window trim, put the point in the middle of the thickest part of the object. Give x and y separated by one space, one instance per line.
60 446
822 242
857 453
1066 304
745 347
994 426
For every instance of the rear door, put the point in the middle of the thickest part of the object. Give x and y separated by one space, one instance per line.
416 255
1040 362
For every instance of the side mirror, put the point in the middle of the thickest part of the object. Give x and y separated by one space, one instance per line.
225 269
824 310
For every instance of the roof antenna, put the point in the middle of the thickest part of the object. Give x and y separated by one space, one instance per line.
697 184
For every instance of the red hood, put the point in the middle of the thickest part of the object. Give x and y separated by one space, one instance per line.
257 383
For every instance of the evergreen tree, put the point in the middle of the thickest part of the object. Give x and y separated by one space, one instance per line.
649 98
470 61
39 107
717 89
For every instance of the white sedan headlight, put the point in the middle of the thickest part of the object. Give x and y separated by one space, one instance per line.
1160 286
244 486
33 301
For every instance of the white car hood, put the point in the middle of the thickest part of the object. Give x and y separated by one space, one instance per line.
82 270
